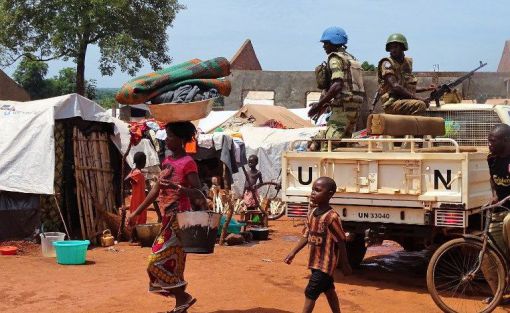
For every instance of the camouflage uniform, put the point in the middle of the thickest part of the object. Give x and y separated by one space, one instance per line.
392 103
345 106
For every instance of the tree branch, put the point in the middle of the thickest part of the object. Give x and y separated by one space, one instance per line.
33 58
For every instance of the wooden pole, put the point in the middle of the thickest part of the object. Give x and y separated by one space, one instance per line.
98 177
230 212
123 213
77 174
88 186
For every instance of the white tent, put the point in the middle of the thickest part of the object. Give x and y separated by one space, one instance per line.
213 120
27 147
269 144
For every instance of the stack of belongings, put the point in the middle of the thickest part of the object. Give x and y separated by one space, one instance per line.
191 81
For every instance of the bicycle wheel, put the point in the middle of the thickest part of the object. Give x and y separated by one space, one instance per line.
269 197
453 283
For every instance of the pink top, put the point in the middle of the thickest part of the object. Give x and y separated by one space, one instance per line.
175 171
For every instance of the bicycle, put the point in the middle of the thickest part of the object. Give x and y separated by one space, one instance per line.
268 198
460 270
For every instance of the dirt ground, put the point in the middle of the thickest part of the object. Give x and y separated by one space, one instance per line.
246 279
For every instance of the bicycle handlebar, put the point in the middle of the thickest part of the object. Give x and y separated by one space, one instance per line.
497 204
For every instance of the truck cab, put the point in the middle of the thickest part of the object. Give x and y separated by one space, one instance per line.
416 191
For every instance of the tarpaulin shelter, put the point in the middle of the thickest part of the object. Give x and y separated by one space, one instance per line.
269 144
38 155
259 115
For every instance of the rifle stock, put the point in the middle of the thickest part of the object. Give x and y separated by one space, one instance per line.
448 87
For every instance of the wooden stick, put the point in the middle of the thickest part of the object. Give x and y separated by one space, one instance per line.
83 187
88 186
98 175
108 177
123 215
78 183
230 212
92 184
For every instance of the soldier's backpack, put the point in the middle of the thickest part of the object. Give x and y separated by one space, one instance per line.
323 75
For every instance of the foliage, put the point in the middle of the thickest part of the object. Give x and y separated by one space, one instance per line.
106 97
127 32
368 67
65 83
30 74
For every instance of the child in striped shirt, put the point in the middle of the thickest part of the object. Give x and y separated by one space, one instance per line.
324 234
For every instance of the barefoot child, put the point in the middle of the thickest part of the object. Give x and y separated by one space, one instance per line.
252 177
324 234
137 180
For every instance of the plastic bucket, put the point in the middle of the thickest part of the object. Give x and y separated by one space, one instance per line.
234 227
71 251
47 243
198 231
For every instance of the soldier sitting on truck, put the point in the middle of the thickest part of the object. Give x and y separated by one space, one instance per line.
397 84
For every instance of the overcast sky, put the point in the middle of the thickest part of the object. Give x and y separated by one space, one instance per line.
285 33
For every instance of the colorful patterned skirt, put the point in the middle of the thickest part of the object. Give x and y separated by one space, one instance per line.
167 260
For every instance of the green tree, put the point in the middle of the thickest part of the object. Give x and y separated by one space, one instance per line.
127 32
30 74
368 67
65 83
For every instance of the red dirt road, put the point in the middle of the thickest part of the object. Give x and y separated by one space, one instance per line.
245 279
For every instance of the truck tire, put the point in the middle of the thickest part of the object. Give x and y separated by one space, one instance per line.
356 250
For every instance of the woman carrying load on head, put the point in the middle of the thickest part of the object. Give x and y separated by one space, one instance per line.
177 189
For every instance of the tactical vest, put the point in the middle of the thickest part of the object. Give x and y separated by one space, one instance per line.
403 74
353 86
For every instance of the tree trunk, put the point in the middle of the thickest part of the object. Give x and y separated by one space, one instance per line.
80 70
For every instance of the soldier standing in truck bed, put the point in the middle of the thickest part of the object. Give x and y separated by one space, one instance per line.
341 80
397 84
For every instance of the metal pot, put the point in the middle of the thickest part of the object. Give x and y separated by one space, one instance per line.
147 233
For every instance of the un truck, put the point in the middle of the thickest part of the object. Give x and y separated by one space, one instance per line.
416 193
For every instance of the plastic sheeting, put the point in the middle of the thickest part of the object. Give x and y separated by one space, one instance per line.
213 120
19 215
269 144
27 147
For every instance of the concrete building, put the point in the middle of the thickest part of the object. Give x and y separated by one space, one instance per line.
296 89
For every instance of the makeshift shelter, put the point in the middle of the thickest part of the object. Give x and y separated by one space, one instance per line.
260 115
58 154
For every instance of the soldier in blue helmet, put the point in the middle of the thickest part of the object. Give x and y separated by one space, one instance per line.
342 87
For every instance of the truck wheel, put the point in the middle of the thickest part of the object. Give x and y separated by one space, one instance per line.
356 250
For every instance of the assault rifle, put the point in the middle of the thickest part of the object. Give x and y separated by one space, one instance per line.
377 95
448 87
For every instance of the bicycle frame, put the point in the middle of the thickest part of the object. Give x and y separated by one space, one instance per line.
488 241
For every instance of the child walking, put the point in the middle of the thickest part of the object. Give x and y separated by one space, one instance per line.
324 234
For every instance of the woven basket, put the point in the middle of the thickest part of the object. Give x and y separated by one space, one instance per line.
180 112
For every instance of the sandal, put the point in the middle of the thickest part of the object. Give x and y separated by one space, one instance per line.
184 307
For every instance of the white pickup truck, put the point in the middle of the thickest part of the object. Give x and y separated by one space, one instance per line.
425 193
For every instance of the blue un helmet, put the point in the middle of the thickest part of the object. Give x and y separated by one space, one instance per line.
335 35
